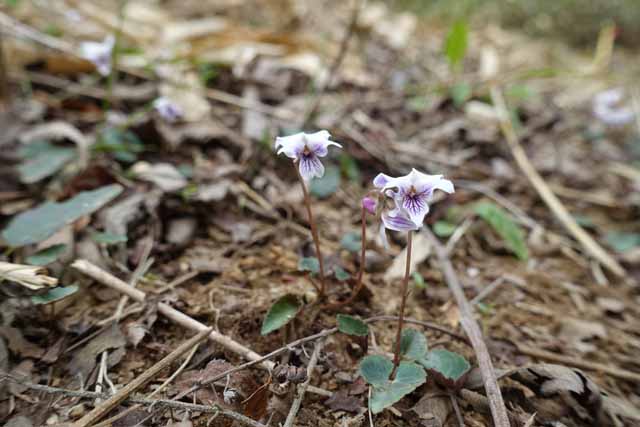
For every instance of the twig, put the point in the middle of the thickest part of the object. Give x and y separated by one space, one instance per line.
470 326
456 409
342 52
178 317
558 209
578 363
207 409
403 301
106 406
302 389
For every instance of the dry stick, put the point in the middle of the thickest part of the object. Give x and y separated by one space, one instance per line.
588 243
470 326
578 363
302 389
207 409
178 317
106 406
405 285
314 230
456 408
342 52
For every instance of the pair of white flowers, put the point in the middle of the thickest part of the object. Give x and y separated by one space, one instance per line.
402 202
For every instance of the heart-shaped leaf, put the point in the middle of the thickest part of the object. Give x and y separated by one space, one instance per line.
340 274
327 185
351 242
280 313
37 224
55 294
42 160
309 263
352 325
47 255
449 368
413 344
376 371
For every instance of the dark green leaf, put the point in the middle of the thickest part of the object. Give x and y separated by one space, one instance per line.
505 226
47 255
443 228
41 222
280 313
456 43
448 368
352 325
327 185
340 274
376 371
55 294
351 242
309 263
413 344
108 238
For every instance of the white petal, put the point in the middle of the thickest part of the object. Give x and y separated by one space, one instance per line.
292 145
416 207
311 166
381 180
398 221
382 235
318 142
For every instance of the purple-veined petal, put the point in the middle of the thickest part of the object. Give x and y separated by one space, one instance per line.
381 180
291 146
310 166
319 142
607 108
398 221
167 109
416 206
99 53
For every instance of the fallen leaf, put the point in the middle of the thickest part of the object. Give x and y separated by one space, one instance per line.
341 401
420 251
164 175
84 360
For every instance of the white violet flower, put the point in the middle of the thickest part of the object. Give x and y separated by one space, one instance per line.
167 109
99 53
306 150
607 108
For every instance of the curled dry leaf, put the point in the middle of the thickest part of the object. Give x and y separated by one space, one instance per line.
33 278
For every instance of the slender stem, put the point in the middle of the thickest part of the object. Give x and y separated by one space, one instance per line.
314 230
112 78
405 285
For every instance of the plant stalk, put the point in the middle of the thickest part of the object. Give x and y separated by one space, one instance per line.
405 286
314 230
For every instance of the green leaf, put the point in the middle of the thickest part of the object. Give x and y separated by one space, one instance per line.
418 280
42 160
622 242
108 238
55 294
340 274
448 368
309 263
505 226
352 325
443 228
376 371
280 313
327 185
456 43
47 255
460 93
349 167
41 222
413 344
351 242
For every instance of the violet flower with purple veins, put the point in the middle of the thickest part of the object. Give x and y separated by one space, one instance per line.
306 150
608 109
167 109
99 53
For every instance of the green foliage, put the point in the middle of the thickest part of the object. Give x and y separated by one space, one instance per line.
47 255
418 280
460 93
309 263
280 313
622 242
413 344
124 145
351 242
455 46
352 325
327 185
55 294
505 226
108 238
340 274
376 371
42 160
447 367
443 228
37 224
349 167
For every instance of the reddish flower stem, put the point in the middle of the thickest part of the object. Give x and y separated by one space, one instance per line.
314 230
405 285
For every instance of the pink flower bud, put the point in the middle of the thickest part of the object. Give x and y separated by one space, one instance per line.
369 204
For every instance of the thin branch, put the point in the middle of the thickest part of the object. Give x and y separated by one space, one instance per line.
556 206
178 317
470 326
302 389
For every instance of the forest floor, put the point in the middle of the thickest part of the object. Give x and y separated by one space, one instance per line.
203 217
